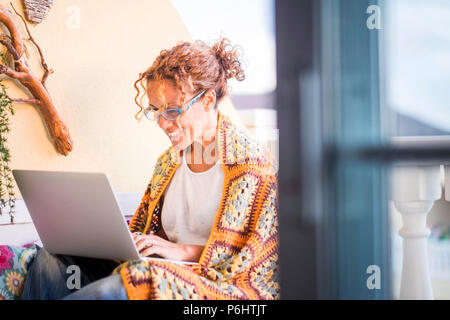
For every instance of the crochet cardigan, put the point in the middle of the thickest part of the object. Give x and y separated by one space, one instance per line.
240 259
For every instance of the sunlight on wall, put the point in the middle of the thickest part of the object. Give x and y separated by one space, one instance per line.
97 49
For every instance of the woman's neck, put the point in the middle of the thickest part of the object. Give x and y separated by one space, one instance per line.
202 154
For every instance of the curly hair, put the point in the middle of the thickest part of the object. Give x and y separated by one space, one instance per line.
194 66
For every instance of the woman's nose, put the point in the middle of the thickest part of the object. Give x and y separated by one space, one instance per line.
163 123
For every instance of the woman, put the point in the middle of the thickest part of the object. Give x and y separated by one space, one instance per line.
212 198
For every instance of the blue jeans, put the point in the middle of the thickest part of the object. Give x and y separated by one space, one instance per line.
48 279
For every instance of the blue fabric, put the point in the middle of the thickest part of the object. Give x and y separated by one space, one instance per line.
48 275
108 288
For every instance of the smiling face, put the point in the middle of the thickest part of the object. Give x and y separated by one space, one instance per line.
194 124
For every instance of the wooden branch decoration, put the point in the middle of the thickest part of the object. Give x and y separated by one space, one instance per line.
47 71
21 71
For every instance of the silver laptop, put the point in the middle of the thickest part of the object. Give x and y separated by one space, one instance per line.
77 213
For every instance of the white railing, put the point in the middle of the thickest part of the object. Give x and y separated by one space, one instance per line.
415 186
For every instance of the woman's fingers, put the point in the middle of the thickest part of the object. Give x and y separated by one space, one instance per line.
150 251
151 244
140 239
135 235
145 241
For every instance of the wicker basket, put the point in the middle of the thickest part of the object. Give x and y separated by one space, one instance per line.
37 10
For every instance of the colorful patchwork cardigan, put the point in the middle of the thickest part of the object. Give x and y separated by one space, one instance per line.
240 259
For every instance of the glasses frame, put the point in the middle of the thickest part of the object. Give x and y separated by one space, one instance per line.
155 115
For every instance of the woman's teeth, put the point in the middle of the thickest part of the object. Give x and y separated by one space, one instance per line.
173 134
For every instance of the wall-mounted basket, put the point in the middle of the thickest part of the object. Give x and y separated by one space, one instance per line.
37 10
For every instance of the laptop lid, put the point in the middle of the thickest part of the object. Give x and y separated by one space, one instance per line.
76 213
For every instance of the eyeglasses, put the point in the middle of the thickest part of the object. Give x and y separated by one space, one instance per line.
170 114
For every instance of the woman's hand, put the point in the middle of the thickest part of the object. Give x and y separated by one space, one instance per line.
151 244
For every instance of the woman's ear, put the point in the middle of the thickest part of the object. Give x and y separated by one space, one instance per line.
210 99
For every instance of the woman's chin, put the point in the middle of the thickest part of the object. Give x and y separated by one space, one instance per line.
179 145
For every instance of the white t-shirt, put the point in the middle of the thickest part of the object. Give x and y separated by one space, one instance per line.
191 202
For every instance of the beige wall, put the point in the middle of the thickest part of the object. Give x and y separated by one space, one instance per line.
92 88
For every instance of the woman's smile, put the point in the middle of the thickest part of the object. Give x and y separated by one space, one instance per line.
175 136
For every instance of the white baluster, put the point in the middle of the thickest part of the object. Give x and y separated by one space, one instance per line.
447 182
414 190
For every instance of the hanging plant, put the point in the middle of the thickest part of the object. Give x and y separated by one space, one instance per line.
7 196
